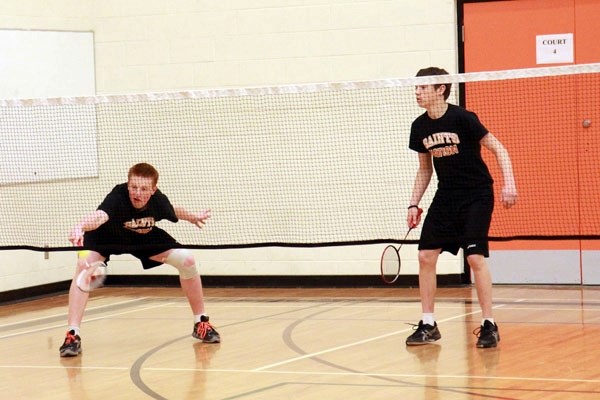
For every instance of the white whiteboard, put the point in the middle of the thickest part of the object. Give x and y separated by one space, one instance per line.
46 64
47 143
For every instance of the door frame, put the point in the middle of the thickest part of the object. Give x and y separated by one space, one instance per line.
460 22
592 255
460 16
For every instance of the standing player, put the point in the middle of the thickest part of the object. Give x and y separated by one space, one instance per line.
449 139
125 223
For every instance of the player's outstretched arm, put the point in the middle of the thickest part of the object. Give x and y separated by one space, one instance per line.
89 223
198 219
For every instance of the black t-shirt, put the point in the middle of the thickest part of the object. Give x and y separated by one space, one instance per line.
126 220
453 141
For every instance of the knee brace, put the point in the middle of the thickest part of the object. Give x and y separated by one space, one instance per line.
184 261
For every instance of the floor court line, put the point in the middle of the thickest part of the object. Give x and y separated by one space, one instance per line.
470 376
61 367
314 373
357 343
375 374
62 315
45 328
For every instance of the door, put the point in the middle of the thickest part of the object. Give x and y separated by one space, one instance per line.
554 158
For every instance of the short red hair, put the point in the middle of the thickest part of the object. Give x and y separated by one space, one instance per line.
144 170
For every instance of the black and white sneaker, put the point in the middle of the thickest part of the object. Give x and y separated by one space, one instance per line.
487 335
424 333
204 331
71 346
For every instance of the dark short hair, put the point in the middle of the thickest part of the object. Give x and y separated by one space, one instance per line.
144 170
436 71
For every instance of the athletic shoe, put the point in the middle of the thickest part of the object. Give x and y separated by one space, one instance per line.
71 346
204 331
423 334
487 334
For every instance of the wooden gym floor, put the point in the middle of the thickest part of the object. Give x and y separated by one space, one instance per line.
305 344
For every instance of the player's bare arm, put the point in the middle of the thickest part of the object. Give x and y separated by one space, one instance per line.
89 223
422 179
198 219
509 191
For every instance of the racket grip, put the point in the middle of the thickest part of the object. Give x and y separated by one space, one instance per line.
419 212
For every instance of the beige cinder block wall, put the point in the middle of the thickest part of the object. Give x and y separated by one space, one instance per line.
157 45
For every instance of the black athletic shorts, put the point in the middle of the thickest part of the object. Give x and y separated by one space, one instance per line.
142 246
459 219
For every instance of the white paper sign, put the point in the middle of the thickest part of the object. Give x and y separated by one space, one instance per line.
554 49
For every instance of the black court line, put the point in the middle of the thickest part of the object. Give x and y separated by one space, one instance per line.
137 366
63 317
287 335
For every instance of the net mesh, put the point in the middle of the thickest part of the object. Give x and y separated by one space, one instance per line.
298 165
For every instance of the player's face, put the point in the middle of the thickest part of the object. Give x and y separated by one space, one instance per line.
140 190
427 95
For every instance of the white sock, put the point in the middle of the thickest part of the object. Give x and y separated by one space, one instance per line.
197 317
428 319
488 319
76 329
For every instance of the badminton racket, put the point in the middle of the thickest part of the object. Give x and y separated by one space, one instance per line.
391 264
92 277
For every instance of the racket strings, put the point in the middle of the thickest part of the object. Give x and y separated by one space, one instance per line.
390 264
92 277
390 259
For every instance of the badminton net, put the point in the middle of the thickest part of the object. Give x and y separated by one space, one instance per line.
298 165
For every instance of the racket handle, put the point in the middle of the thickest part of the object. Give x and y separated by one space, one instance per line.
419 212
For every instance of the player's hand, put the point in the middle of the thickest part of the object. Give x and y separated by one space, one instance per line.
76 236
413 219
200 218
509 196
